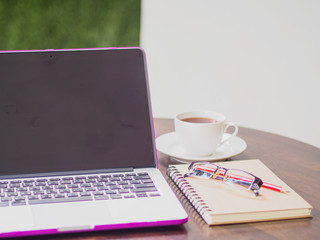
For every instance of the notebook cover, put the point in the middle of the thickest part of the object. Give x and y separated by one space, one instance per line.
221 203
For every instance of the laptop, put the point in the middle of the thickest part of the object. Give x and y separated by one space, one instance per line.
77 146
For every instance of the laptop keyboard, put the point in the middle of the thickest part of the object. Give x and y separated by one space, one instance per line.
76 188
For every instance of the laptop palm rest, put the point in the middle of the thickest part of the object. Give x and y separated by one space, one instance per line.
68 217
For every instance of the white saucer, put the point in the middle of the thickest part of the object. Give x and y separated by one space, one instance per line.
169 145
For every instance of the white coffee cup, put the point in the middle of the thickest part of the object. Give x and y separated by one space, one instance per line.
200 132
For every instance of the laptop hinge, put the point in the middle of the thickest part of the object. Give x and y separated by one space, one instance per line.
111 170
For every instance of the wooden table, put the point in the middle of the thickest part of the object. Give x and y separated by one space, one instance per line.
297 163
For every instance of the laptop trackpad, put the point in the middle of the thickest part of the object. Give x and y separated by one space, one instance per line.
75 215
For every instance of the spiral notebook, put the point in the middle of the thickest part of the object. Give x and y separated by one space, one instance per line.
219 203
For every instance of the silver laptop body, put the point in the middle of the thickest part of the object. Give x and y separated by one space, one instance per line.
77 144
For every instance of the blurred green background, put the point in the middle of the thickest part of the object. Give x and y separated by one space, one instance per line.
58 24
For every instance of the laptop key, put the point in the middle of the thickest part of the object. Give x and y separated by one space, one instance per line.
11 194
143 174
67 178
138 177
46 196
60 200
85 185
129 196
8 190
105 176
64 191
72 195
97 193
6 199
51 192
38 192
144 185
114 179
18 203
90 180
123 191
126 178
102 180
97 184
115 187
110 183
14 185
40 184
146 181
42 180
66 182
4 204
15 181
19 198
115 196
52 183
118 175
154 194
85 194
54 179
111 192
122 183
101 197
102 188
25 193
59 195
92 177
142 195
77 190
30 184
76 181
28 181
135 182
137 190
130 174
33 197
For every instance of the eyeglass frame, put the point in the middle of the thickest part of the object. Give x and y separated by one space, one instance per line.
254 186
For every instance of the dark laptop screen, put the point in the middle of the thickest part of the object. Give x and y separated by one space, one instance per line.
73 111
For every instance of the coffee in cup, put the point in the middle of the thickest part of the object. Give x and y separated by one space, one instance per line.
200 133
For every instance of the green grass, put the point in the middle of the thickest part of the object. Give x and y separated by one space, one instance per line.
48 24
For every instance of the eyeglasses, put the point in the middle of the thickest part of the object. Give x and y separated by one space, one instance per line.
239 177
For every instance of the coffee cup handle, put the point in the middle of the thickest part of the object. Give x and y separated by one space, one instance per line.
235 132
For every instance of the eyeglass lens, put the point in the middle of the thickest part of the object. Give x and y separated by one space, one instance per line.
231 176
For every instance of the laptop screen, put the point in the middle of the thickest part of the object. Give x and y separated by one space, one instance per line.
73 111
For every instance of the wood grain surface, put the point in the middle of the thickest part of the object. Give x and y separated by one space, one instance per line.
296 163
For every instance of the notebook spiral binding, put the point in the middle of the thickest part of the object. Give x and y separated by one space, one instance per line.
188 191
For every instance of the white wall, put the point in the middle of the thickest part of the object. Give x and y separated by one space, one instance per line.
258 62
